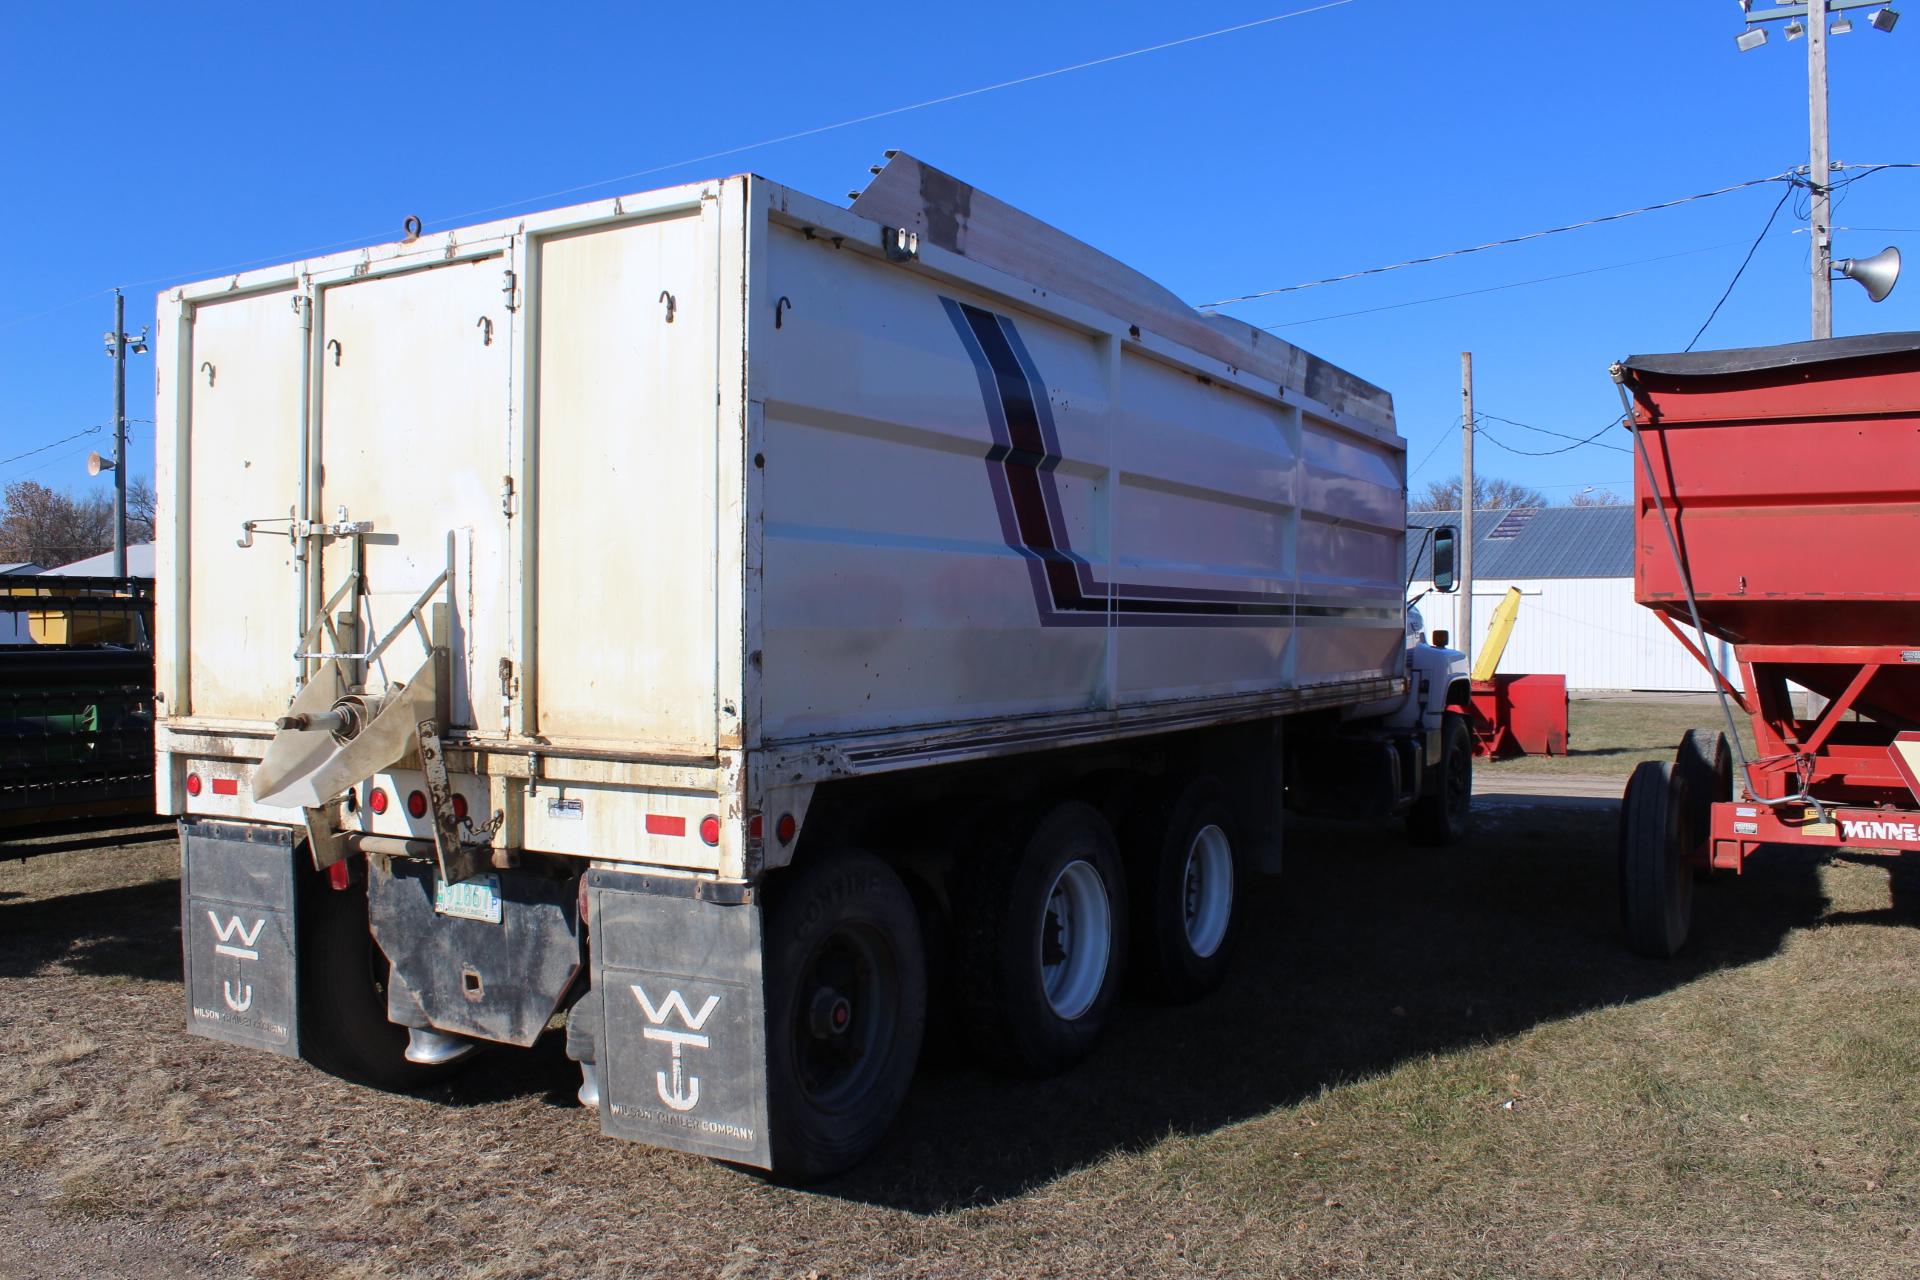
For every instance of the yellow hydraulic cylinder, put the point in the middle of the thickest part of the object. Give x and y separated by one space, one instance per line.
1499 631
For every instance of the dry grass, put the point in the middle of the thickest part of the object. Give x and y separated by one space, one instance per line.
1426 1064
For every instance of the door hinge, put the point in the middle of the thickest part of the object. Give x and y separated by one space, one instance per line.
506 496
507 283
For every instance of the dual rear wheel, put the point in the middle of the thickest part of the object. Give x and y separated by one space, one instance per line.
1046 914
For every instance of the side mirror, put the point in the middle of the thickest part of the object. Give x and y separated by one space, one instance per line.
1445 556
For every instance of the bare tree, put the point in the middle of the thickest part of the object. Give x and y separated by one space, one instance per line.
1490 493
141 509
50 529
1597 498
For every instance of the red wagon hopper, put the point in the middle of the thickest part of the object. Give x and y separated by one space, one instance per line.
1777 508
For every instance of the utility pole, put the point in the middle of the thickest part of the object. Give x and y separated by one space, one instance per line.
1808 19
1465 633
119 343
1819 171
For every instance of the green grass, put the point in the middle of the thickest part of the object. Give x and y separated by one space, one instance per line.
1610 735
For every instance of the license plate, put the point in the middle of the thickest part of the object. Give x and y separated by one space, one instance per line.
475 899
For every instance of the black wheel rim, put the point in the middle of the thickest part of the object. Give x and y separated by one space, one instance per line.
844 1009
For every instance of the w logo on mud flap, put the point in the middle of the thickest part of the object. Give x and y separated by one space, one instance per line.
681 1092
232 929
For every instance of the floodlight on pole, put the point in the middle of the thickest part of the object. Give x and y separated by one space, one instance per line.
1883 19
1795 30
1841 26
1750 39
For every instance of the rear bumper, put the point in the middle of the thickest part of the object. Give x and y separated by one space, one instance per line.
1740 829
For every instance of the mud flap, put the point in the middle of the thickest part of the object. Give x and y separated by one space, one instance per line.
495 980
681 1049
237 934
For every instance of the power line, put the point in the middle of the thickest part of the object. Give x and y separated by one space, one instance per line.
1788 177
51 444
1444 437
917 106
768 142
1469 293
1743 266
1593 439
1528 426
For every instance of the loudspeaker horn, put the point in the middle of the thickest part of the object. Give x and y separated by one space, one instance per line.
1877 273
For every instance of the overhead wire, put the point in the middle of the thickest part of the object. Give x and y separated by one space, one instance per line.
1497 288
1788 177
1545 431
51 444
1444 437
794 136
1754 248
1481 433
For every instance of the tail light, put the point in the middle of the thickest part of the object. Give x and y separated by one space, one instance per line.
459 806
417 803
710 829
784 829
193 784
377 800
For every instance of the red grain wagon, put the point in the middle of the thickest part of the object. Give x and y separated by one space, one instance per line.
1777 496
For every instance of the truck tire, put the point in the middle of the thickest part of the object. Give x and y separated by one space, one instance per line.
1656 880
1188 886
1707 762
846 989
1444 810
1040 937
344 1028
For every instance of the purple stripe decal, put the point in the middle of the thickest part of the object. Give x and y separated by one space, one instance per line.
1020 471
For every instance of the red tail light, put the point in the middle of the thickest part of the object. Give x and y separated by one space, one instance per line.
193 784
377 800
710 829
784 829
459 806
417 803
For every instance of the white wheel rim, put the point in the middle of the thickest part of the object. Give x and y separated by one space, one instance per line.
1207 890
1076 939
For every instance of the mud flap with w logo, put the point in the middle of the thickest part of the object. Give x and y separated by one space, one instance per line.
237 934
681 1039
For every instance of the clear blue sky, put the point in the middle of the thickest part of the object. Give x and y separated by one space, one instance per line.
157 143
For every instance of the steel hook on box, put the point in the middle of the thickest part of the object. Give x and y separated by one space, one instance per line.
412 227
485 325
206 367
780 308
668 299
333 345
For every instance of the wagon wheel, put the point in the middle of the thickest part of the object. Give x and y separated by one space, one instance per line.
1707 762
1656 876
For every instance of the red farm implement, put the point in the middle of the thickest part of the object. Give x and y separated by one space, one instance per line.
1777 496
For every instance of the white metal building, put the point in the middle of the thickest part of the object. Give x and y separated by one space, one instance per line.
1574 568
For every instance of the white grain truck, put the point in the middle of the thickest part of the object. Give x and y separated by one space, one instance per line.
727 623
